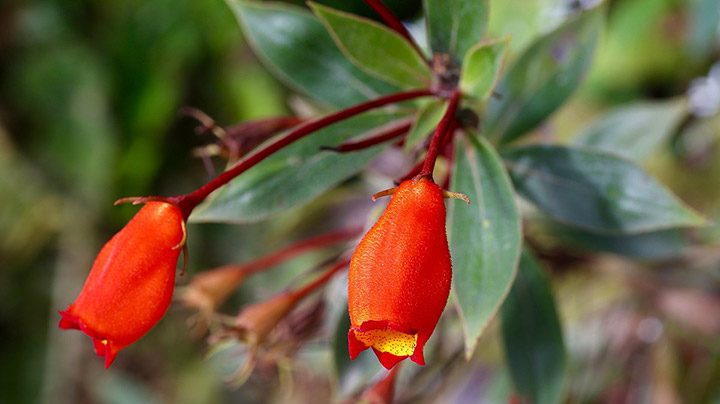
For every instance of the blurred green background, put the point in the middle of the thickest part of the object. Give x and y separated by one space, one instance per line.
89 98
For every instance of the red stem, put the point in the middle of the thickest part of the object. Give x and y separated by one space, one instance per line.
449 153
445 125
382 136
394 23
419 166
321 280
448 136
189 201
298 248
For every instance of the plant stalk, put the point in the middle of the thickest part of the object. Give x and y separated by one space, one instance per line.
188 202
441 132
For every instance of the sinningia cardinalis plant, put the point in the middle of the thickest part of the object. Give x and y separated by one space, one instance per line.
456 97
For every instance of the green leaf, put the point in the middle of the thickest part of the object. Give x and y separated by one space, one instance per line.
484 237
428 117
523 20
376 49
634 131
596 191
656 245
294 175
544 76
455 26
532 335
481 68
297 48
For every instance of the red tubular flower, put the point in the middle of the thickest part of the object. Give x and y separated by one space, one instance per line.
131 282
399 277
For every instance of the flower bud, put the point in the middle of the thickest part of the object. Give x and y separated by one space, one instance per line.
210 289
255 322
130 285
400 275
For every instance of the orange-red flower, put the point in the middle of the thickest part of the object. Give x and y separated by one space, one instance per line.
400 275
130 285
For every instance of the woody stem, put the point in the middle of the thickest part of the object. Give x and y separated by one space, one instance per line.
442 130
189 201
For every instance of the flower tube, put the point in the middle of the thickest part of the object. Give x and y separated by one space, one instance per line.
400 274
131 283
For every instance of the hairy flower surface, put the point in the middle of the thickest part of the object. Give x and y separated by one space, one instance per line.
400 275
131 283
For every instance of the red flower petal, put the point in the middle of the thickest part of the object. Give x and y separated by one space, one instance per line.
400 275
130 285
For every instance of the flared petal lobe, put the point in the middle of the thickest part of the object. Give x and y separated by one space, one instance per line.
130 285
400 276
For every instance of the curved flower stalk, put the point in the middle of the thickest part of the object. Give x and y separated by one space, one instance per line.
255 324
209 289
256 321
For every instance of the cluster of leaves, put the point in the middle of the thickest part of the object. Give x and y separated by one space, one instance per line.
589 194
594 187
